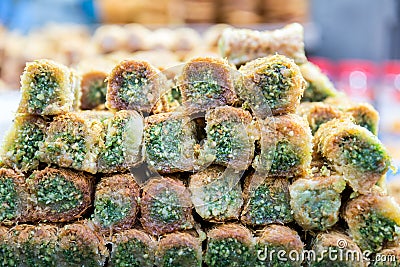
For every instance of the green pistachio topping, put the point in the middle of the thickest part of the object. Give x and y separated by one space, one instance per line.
8 199
180 257
270 253
96 94
58 193
228 252
284 157
39 254
110 210
8 255
133 85
166 207
133 253
42 90
114 152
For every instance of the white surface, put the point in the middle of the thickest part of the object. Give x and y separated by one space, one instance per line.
9 101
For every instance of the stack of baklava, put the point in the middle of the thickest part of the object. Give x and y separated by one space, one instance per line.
250 159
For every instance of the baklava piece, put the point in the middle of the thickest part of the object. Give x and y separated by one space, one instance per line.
59 195
230 138
335 249
134 85
373 220
365 115
206 83
286 147
216 193
21 144
73 140
169 140
316 201
317 113
122 142
132 248
165 206
116 203
49 88
13 196
243 45
9 255
352 151
79 245
230 245
389 257
271 84
267 201
279 246
319 87
179 249
37 244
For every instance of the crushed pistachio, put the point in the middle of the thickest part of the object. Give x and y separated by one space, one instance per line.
272 259
228 252
8 257
312 94
109 210
166 207
203 87
114 152
180 257
133 253
39 254
80 255
42 90
133 85
284 157
58 193
363 120
96 94
322 259
8 199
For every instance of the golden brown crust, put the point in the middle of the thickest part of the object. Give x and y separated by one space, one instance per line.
317 113
127 235
125 186
281 235
227 113
232 230
87 80
178 240
83 183
150 192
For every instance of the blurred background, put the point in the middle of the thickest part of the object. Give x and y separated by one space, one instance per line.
357 43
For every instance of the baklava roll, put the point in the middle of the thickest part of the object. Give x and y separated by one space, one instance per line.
9 255
49 88
37 244
319 87
13 196
316 201
134 85
79 245
116 203
94 73
365 115
279 246
216 193
353 151
21 144
206 83
122 142
271 84
335 249
230 138
373 220
286 146
243 45
59 195
230 245
389 257
267 201
169 140
133 248
179 249
73 140
317 113
165 206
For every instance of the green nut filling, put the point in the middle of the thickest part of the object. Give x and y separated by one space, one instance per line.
220 199
335 257
319 207
8 256
133 85
83 255
364 155
114 152
375 230
284 158
174 95
133 253
267 206
223 140
74 145
109 211
96 94
312 94
272 260
59 194
39 254
203 87
275 82
180 257
26 145
163 142
228 252
364 121
8 199
166 208
42 90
